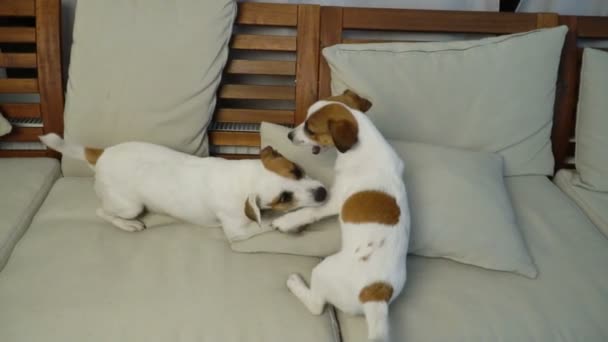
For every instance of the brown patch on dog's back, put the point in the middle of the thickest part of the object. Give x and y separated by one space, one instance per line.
275 162
371 207
376 292
92 154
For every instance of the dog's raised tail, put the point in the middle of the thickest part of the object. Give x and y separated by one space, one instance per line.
71 150
376 315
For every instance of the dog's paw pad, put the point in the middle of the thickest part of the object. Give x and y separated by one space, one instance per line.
294 281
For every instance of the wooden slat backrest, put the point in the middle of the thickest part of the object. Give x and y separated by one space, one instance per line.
582 27
270 76
30 38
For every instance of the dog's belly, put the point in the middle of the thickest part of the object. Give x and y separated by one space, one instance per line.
200 216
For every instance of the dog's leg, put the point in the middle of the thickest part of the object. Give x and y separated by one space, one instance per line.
294 222
312 300
130 225
121 212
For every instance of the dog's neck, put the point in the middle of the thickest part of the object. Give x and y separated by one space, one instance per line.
370 147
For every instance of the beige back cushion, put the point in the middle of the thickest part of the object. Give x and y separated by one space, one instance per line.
145 71
5 126
494 94
591 155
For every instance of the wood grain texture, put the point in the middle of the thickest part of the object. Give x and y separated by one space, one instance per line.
17 8
267 14
17 35
48 48
234 139
307 81
437 21
331 34
23 153
18 85
255 67
256 92
263 42
566 96
18 60
545 20
592 27
23 134
20 110
254 115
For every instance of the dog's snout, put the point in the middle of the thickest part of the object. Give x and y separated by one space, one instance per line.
320 194
290 135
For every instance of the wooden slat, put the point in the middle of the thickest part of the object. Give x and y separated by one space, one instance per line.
307 86
236 156
234 139
48 32
545 20
257 92
18 85
437 21
23 153
566 96
17 60
17 8
263 42
17 35
251 67
267 14
20 110
593 27
331 34
254 115
371 41
23 134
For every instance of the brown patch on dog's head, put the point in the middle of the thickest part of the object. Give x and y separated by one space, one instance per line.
275 162
376 292
371 207
333 125
92 154
283 202
352 100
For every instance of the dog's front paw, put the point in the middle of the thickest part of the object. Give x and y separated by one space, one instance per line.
287 224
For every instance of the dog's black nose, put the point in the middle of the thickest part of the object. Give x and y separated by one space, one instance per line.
320 194
290 135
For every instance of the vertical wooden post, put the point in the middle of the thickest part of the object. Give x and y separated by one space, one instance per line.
48 48
331 34
566 95
307 59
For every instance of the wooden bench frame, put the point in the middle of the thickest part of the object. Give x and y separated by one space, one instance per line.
312 28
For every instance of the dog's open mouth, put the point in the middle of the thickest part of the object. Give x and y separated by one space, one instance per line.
316 149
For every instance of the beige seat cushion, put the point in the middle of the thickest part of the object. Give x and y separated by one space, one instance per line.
24 183
74 277
145 71
447 301
593 203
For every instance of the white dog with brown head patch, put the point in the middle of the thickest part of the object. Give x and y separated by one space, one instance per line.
370 198
133 176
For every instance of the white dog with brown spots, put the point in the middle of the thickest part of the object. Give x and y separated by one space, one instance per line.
133 176
369 195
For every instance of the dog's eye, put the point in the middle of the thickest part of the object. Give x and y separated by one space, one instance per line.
286 196
307 129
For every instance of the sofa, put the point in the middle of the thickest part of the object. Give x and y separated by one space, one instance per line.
66 275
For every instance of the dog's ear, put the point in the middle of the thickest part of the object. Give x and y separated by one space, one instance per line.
268 153
252 209
344 134
352 100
